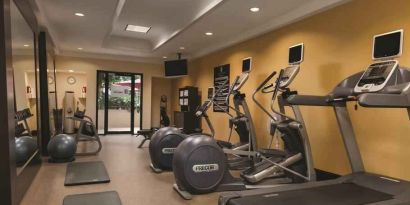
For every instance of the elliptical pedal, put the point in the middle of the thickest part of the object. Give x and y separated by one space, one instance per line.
184 194
154 169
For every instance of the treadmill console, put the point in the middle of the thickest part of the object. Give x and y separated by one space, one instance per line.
376 76
289 75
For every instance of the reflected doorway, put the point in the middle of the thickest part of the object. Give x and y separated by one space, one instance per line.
119 102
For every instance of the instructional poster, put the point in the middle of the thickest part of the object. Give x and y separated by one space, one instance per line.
221 81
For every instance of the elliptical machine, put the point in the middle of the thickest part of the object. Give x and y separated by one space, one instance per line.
296 154
201 166
165 140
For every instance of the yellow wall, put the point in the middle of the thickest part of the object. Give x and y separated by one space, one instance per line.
160 86
63 86
90 67
337 44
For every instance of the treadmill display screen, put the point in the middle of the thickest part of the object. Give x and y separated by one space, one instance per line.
387 45
377 71
296 54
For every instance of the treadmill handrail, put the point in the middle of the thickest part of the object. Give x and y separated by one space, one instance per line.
309 100
384 100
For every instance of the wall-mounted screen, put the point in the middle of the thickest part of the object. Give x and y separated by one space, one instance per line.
296 54
210 92
176 68
246 64
388 45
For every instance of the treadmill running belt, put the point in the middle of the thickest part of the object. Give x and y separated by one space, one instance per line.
337 194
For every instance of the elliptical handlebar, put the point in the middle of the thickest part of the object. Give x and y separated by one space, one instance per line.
201 110
234 87
235 82
265 81
277 85
275 92
258 89
265 89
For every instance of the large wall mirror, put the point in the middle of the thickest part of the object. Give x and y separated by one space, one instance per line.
26 87
55 125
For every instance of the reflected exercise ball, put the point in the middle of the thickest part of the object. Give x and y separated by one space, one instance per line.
25 148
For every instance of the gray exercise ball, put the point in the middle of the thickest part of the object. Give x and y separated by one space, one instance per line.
25 148
62 147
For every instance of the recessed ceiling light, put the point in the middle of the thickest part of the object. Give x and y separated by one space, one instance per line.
209 33
80 48
164 57
140 29
79 14
26 45
254 9
182 48
71 71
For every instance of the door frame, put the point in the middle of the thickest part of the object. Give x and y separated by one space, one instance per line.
106 98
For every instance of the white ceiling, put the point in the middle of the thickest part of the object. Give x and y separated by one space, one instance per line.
175 23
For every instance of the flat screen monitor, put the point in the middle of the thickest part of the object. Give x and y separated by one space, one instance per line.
176 68
388 45
296 53
246 65
210 92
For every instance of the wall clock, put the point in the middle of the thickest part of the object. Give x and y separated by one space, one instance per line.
71 80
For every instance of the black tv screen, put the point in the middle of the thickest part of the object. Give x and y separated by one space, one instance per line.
296 54
387 45
176 68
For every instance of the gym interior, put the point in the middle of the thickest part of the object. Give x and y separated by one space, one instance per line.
224 102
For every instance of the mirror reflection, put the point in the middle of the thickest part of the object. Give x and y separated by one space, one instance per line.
52 96
25 88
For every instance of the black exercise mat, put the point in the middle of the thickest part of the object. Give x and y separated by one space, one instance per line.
337 194
98 198
80 173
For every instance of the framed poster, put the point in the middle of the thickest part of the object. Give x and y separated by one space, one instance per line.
221 81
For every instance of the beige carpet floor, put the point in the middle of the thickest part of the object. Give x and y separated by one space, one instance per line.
130 175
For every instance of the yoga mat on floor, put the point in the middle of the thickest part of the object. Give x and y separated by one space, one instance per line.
98 198
81 173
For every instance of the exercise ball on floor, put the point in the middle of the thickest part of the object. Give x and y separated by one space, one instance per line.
62 148
25 147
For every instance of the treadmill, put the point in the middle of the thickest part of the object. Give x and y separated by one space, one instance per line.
384 84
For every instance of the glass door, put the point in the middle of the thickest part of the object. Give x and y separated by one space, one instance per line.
138 103
119 102
101 98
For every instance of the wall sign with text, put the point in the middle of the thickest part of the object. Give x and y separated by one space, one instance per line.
221 76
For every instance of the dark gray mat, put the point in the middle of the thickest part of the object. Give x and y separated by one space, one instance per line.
80 173
99 198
